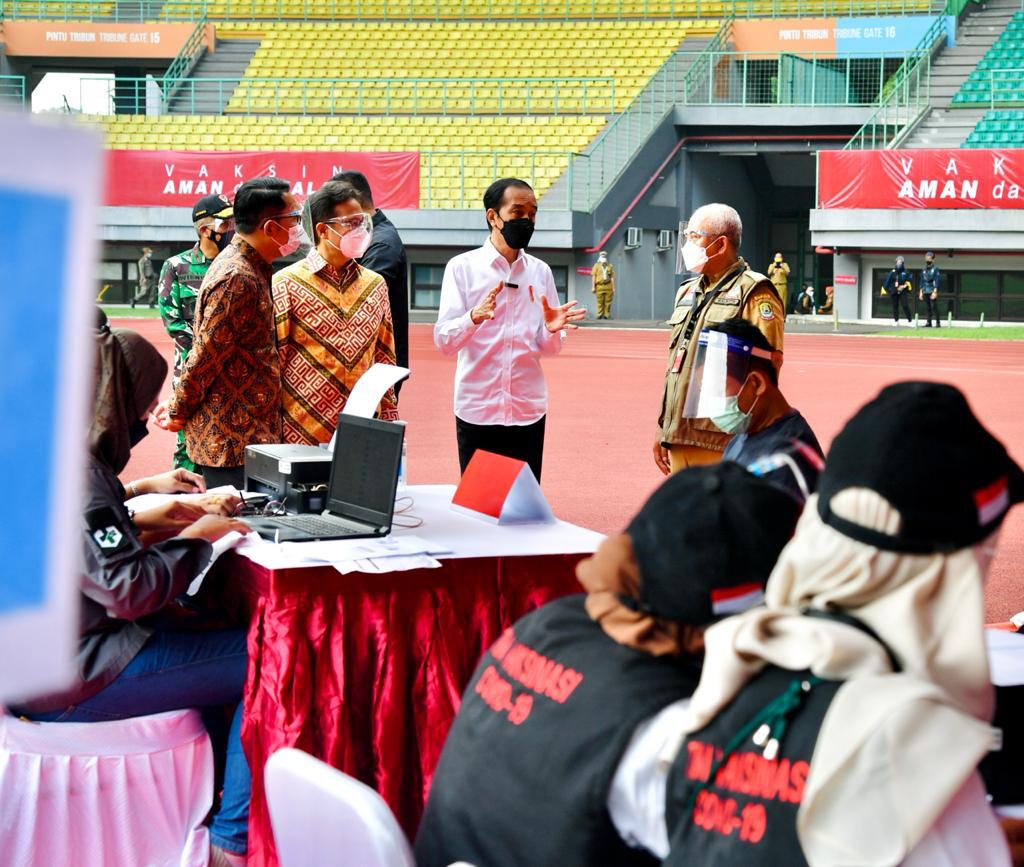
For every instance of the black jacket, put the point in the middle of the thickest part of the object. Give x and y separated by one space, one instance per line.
386 256
122 584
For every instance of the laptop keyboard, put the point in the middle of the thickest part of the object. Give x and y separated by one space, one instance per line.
315 525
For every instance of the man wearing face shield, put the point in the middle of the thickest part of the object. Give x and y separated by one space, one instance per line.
735 383
333 318
725 287
228 395
499 313
928 289
180 279
550 758
843 722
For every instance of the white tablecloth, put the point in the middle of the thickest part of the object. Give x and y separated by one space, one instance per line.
445 533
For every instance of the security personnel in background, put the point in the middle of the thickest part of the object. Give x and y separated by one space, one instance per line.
928 289
778 273
603 276
725 287
146 293
899 286
541 766
843 722
180 278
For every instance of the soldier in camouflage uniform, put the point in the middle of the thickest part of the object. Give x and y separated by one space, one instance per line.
180 279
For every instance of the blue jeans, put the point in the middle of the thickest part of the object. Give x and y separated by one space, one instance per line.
177 670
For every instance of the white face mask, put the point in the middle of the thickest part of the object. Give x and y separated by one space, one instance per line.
695 257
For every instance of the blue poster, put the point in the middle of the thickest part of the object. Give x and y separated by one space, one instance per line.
893 35
32 274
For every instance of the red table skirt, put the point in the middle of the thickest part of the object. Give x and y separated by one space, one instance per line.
366 671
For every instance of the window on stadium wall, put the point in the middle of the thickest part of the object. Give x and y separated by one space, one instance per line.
426 285
967 294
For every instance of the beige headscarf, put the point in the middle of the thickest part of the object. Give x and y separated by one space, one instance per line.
894 748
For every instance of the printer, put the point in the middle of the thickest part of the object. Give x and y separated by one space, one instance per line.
295 474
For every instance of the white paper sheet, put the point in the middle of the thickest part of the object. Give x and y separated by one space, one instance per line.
369 390
224 543
445 533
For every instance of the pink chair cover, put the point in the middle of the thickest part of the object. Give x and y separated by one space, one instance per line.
127 793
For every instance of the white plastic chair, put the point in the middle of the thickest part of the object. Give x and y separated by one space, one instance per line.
323 816
123 793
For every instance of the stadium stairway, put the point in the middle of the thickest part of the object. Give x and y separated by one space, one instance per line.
947 125
229 60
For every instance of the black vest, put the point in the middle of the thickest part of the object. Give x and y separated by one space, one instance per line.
524 776
746 813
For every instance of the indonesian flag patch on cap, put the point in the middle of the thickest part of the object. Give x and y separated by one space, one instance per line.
733 600
992 501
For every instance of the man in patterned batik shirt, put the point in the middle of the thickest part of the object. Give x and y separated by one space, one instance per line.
179 283
229 393
333 319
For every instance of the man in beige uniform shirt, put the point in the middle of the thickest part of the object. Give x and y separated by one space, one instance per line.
725 287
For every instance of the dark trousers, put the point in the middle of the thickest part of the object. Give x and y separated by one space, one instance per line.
215 477
932 309
896 298
523 442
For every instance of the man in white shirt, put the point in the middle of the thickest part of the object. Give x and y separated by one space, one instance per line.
499 311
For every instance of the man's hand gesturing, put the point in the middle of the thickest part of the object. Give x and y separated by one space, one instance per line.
485 309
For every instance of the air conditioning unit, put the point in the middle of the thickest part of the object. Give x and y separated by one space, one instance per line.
665 239
634 238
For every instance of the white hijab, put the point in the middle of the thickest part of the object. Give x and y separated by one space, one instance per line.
894 748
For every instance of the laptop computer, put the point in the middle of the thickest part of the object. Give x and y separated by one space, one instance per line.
361 491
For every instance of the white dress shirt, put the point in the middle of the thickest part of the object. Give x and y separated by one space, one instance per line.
498 379
967 831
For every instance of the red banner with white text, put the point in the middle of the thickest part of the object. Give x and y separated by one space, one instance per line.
181 178
962 178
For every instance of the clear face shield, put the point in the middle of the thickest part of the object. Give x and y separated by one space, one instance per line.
720 368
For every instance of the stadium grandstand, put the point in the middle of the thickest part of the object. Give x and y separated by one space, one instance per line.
623 114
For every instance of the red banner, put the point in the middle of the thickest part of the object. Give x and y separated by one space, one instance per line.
181 178
962 178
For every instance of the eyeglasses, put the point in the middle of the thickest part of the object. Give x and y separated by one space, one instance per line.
278 217
694 234
344 225
223 224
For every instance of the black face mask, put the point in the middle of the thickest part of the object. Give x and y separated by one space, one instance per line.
517 233
223 239
137 432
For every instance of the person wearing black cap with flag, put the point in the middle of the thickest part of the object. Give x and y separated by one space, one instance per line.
928 289
533 770
843 723
180 278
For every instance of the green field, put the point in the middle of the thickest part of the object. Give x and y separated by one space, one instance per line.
1009 332
123 311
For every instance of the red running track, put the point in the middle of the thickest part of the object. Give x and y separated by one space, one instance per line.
605 390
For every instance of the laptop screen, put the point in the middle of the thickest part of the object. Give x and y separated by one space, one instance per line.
364 471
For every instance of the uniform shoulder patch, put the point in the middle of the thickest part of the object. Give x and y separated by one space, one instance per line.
106 531
765 310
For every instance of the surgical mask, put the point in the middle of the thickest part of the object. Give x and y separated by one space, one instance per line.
695 257
729 418
518 232
137 432
296 238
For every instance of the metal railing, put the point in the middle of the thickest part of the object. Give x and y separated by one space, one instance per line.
746 78
450 10
361 96
190 52
907 96
12 90
1006 86
103 10
714 77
